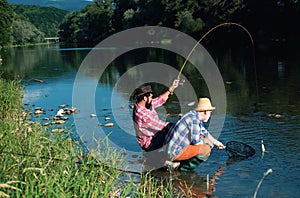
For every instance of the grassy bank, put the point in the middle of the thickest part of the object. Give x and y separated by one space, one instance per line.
39 164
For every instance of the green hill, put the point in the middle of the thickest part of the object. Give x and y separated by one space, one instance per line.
45 19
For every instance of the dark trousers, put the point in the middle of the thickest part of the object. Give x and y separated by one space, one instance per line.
159 138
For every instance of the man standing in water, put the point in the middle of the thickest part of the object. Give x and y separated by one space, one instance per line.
150 129
189 142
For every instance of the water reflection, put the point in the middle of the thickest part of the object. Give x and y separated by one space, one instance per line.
40 61
278 91
191 184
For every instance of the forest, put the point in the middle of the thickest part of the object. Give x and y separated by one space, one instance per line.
28 24
267 20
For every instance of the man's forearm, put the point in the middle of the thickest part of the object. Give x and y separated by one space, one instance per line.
210 140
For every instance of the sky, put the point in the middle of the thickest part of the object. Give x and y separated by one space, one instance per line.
70 5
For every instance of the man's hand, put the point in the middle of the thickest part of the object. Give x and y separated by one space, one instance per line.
219 144
174 85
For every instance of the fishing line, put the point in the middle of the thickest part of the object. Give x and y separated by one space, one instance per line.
214 28
253 54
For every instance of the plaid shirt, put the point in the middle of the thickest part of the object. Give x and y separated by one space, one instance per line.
147 122
188 130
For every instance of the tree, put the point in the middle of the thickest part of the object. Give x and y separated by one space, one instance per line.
46 19
123 14
89 25
24 32
104 17
6 18
193 16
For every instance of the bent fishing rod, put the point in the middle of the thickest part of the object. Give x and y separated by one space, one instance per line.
211 30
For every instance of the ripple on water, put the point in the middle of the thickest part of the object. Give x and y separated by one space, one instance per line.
281 139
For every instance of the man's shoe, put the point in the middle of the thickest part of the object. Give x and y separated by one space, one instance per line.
171 166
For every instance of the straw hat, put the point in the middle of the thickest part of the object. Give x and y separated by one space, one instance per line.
142 90
204 104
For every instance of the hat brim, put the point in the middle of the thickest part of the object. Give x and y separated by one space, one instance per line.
207 109
135 96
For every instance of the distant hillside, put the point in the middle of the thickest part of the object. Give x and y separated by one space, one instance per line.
45 19
69 5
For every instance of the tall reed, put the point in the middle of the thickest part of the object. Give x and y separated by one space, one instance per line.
10 97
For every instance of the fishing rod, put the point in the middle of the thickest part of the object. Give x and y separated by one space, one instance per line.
214 28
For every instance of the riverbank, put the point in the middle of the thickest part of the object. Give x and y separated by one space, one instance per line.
31 44
50 165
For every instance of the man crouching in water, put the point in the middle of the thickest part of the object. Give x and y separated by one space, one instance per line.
189 142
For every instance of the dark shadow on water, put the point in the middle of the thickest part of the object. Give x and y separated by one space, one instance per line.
231 161
190 184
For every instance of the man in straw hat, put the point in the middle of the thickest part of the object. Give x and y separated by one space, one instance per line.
189 142
150 130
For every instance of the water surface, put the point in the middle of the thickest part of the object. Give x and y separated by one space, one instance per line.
260 106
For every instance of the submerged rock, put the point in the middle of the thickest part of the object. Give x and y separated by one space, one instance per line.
110 124
46 124
71 110
275 115
38 112
64 118
38 108
62 106
38 80
56 117
93 115
278 116
60 122
60 112
57 130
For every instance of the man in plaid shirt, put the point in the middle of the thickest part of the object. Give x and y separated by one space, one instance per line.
189 130
150 130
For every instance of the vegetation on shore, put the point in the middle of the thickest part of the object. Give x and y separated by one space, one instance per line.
34 162
271 21
45 19
27 24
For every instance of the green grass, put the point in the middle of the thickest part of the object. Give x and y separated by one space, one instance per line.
10 98
34 163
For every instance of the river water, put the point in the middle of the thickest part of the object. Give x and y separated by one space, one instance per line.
262 103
